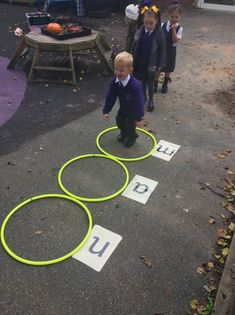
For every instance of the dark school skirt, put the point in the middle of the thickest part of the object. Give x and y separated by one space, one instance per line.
170 60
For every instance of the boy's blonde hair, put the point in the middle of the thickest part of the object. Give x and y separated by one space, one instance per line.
124 57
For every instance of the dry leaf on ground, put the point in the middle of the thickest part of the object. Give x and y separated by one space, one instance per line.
230 172
201 309
224 204
231 227
222 215
210 265
210 288
201 271
223 154
146 261
222 242
221 232
38 232
225 251
194 304
211 220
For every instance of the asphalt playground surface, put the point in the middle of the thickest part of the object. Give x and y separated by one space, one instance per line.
54 123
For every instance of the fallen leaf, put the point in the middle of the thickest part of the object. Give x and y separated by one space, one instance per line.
220 156
201 271
225 251
231 208
221 260
224 204
211 220
210 265
210 288
38 232
146 261
222 242
221 232
201 309
151 131
230 172
231 227
217 256
222 215
194 304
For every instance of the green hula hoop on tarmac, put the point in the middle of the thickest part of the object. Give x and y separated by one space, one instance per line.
46 262
123 158
93 199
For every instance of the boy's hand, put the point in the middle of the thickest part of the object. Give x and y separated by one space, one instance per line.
106 116
140 124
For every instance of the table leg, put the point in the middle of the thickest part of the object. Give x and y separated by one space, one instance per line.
72 66
17 54
104 43
105 57
35 62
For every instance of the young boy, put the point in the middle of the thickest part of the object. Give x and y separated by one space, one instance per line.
131 99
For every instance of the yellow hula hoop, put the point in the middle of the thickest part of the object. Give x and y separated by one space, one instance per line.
93 199
123 158
46 262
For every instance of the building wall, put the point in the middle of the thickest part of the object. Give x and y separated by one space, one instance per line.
185 3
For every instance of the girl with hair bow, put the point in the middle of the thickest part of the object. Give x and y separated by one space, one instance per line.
148 52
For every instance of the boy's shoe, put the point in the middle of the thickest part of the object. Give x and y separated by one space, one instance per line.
129 142
155 86
150 106
164 89
121 137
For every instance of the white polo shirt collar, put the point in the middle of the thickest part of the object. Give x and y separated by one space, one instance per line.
125 81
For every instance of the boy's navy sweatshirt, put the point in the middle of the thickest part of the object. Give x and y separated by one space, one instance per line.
131 99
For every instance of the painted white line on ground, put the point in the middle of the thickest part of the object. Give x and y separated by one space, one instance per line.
99 247
166 150
140 189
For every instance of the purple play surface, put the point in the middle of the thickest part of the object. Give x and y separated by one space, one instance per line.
12 89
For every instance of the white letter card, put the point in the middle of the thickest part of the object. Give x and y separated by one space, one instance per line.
99 247
140 189
166 150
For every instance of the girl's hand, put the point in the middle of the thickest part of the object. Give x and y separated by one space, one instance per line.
106 117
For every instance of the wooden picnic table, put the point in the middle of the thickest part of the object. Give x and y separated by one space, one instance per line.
43 43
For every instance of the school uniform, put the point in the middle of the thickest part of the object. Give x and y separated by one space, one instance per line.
170 46
148 52
131 101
